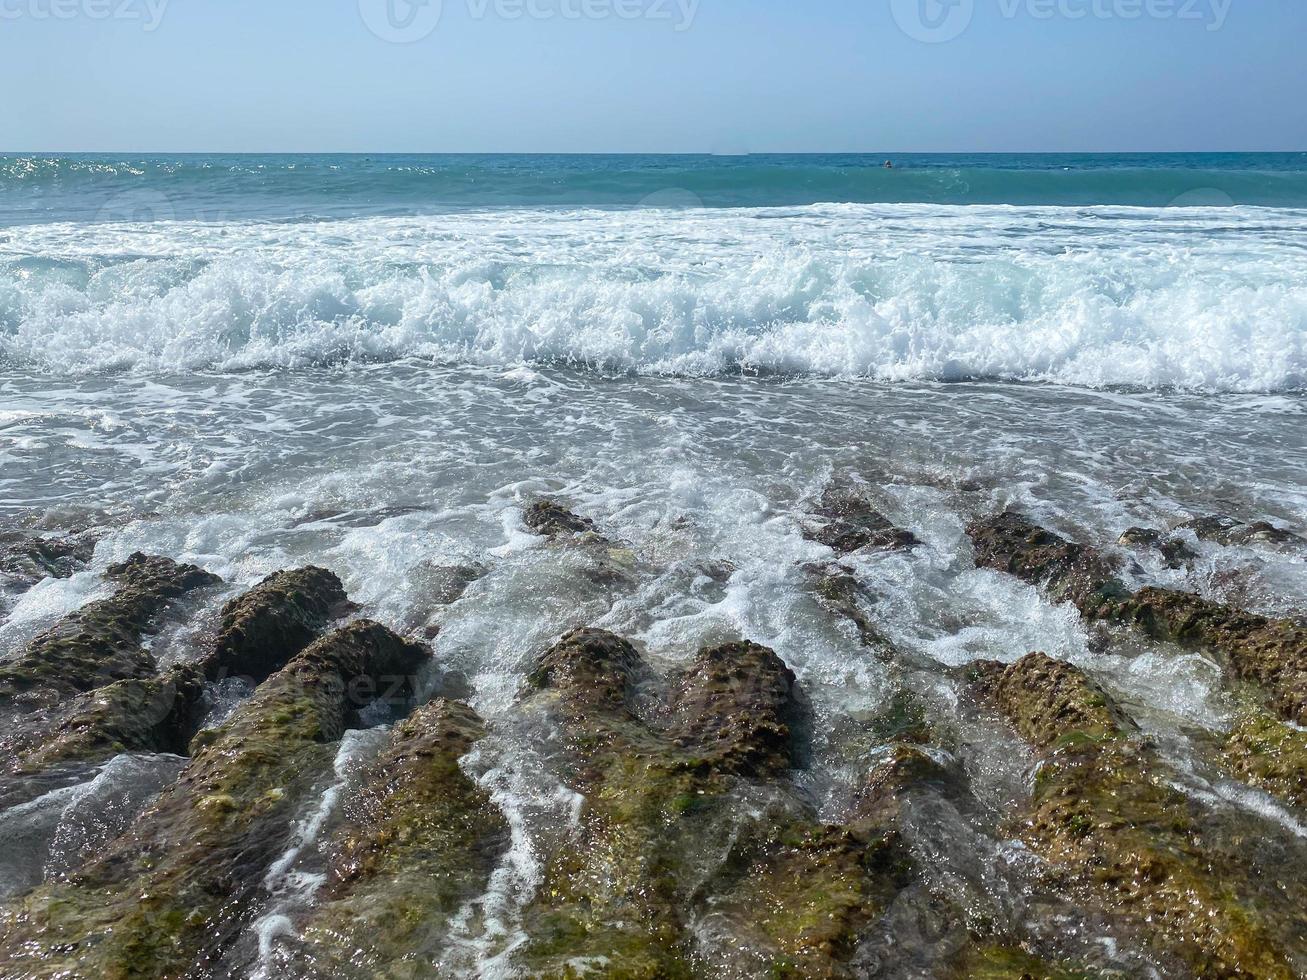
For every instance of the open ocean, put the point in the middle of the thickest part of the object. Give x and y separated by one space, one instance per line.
375 363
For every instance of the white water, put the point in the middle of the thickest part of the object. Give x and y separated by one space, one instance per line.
1203 299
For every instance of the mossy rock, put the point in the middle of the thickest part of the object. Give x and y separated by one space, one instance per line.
262 630
1265 651
988 961
690 816
101 642
171 895
418 841
1068 571
1107 816
846 521
1270 755
155 714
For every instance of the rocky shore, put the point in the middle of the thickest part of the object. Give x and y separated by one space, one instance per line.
696 847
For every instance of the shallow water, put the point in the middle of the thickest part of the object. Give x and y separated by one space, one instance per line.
389 474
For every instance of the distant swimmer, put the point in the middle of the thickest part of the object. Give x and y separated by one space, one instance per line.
889 164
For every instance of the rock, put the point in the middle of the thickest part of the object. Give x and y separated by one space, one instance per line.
848 523
26 559
1174 552
993 961
551 520
418 841
840 592
154 714
169 896
1069 572
1270 755
1049 700
1227 531
740 706
696 856
262 630
1269 652
100 643
1106 815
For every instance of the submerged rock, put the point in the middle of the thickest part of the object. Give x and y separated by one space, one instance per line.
847 522
839 591
1174 552
696 855
1069 572
153 714
1227 531
262 630
1106 815
1269 652
101 642
550 519
169 896
26 559
419 840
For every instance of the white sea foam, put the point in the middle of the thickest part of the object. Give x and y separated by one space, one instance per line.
1201 299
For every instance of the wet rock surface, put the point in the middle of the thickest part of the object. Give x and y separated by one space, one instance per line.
690 827
101 642
845 522
26 559
1227 531
179 888
264 628
1068 571
1269 652
1105 812
420 840
550 519
699 840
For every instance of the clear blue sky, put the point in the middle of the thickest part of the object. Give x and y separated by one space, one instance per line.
757 75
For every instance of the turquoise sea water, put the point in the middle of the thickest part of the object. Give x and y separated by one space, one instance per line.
34 187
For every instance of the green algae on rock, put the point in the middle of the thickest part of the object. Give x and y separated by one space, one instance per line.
1268 652
153 714
691 823
1107 816
101 642
1069 572
418 841
168 897
1270 755
263 629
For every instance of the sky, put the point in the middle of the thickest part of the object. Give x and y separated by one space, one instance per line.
652 75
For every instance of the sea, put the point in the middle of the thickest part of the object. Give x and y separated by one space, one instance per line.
375 363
